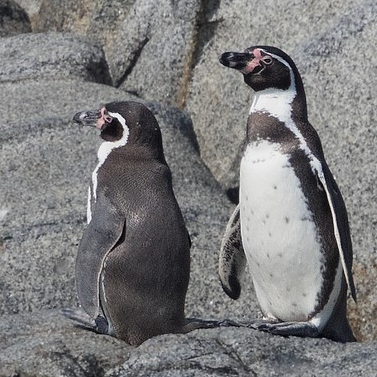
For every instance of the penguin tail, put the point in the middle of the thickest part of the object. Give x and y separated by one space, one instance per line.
84 321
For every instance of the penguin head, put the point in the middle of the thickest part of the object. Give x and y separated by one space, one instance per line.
263 67
124 123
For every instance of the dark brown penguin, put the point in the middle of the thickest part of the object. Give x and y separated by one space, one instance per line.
133 262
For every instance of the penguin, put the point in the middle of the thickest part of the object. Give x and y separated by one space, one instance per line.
133 261
290 226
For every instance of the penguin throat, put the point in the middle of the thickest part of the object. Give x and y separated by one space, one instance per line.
278 103
112 132
275 102
107 147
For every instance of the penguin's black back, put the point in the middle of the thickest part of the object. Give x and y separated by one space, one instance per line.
147 272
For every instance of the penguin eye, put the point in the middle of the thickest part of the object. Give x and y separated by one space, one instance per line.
267 60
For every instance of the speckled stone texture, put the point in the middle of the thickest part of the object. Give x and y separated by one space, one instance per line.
52 55
13 19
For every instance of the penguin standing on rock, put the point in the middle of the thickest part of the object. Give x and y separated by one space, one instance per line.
133 261
291 223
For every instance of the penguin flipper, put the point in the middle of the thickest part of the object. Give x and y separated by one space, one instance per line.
340 221
232 260
103 232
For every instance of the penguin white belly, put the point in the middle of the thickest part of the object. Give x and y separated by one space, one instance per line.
278 234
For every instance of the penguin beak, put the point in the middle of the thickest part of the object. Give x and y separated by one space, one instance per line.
88 118
236 60
245 62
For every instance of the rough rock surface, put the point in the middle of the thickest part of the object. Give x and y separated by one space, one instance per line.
149 45
13 19
98 19
170 54
161 38
32 8
239 352
45 343
52 56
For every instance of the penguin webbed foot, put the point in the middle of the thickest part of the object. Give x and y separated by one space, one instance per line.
84 321
301 329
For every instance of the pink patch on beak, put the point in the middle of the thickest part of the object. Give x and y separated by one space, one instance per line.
255 62
104 119
258 55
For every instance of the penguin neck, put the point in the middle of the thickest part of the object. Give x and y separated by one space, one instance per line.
286 105
107 147
274 110
130 151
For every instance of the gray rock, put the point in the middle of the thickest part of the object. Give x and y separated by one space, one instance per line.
13 19
150 46
98 19
46 344
52 56
32 8
152 51
243 352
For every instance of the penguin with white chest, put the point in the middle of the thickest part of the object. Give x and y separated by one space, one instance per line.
133 261
291 224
